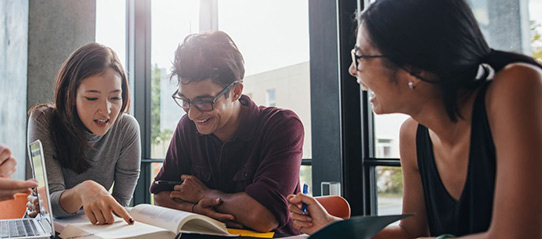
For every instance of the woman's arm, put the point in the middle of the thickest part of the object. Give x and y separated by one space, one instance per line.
206 207
89 195
8 187
413 200
514 103
128 165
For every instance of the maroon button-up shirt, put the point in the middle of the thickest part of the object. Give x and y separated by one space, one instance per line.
263 158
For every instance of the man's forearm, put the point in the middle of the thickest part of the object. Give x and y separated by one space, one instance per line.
163 199
247 211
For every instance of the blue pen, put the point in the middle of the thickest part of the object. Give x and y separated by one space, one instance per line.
305 191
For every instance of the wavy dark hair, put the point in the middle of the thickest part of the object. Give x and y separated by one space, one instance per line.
439 36
207 55
67 129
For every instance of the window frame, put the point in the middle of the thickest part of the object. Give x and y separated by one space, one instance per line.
138 49
344 144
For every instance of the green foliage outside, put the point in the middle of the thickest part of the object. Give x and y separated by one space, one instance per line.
389 180
536 41
157 136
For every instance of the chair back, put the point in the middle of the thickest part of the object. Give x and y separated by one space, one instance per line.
14 208
335 205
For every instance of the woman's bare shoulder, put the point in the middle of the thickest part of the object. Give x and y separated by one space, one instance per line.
515 78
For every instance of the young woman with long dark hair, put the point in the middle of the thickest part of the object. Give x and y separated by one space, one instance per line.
90 143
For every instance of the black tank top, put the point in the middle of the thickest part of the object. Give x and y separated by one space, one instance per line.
472 213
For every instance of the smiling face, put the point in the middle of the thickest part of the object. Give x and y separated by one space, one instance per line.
221 119
99 100
375 75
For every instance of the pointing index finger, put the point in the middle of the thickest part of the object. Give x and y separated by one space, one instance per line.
121 212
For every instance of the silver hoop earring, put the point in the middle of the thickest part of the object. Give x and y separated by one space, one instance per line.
411 85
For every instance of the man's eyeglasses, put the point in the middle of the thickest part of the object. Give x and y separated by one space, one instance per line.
356 57
201 105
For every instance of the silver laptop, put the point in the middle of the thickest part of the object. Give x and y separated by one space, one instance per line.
42 225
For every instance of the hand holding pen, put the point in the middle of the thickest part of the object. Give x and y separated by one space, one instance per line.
305 191
306 213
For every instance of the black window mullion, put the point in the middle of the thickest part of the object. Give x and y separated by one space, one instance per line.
138 56
351 115
325 94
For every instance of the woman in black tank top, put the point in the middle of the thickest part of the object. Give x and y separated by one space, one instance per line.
471 152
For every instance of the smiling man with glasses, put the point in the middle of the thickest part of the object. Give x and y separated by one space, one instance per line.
233 160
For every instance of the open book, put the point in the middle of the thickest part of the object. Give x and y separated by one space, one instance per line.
150 222
360 227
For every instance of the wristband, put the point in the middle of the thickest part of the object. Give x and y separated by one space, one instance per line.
443 236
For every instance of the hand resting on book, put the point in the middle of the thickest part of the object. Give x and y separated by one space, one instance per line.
237 210
192 190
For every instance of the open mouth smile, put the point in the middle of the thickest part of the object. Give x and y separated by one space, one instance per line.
202 120
101 121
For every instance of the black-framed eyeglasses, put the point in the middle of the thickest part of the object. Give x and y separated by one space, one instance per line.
201 105
356 57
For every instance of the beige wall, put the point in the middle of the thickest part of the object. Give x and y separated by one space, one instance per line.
292 91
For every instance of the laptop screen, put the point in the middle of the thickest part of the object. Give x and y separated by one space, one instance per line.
38 171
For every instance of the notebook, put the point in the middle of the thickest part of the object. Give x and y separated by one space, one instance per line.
42 225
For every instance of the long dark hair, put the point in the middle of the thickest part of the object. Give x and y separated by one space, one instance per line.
439 36
67 130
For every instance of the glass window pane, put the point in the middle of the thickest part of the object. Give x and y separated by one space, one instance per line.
387 134
305 176
111 28
275 46
535 28
389 182
504 23
165 113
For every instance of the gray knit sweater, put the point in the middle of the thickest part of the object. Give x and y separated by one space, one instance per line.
115 160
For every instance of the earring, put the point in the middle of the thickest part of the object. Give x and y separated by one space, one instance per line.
411 85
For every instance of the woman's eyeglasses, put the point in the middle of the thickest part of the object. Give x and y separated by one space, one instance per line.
356 57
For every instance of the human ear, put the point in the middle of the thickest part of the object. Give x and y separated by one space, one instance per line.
415 75
237 91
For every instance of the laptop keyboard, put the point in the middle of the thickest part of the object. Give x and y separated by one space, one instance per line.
17 228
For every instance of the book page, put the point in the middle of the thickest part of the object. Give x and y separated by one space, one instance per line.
61 223
302 236
119 229
176 220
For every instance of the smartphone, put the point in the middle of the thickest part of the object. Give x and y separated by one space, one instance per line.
166 182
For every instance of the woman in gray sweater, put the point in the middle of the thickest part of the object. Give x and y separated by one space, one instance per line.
90 143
